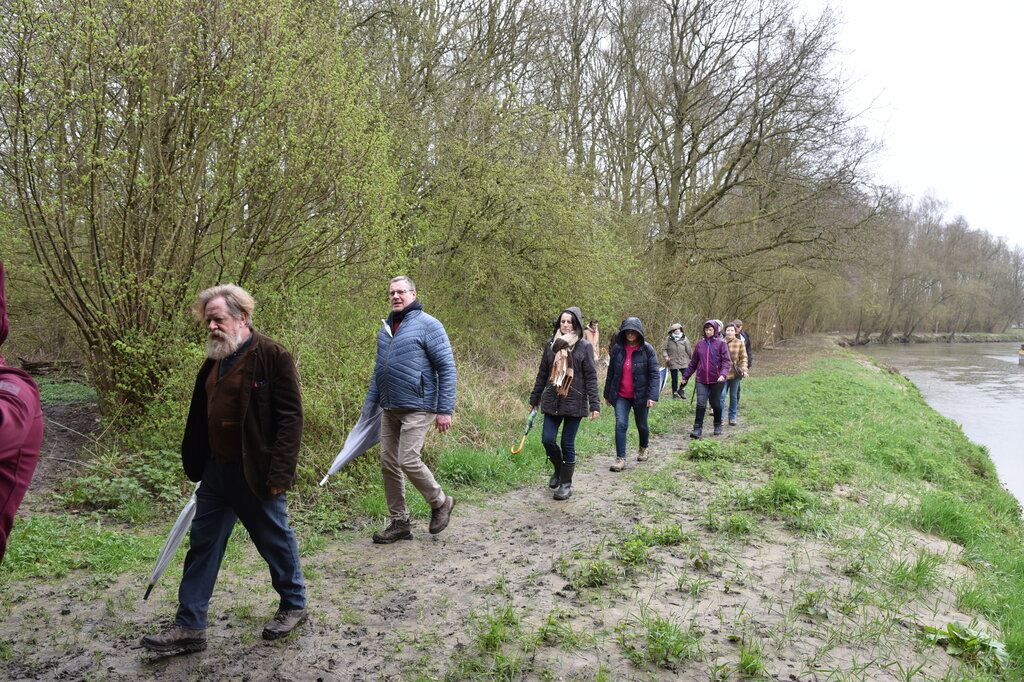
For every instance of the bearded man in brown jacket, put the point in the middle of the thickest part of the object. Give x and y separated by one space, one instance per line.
242 441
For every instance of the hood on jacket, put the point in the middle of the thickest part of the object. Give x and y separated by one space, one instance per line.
630 324
714 325
675 327
577 320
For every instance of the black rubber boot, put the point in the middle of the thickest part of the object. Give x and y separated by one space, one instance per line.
564 491
698 422
553 481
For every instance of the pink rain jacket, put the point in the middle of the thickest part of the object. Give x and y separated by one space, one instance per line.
21 432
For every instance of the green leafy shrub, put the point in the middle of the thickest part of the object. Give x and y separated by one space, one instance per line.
974 646
705 449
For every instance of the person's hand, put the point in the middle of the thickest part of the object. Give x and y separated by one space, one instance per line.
746 374
650 403
594 415
533 408
444 422
276 491
721 380
609 403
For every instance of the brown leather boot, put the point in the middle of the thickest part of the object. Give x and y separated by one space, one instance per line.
440 516
176 639
283 623
398 530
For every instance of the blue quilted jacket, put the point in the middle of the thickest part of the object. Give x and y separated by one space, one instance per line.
415 368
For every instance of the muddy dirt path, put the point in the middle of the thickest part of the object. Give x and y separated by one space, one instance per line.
418 610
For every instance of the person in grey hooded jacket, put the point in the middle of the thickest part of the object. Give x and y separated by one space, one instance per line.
633 383
414 383
566 391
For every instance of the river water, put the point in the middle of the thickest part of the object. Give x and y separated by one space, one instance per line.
979 385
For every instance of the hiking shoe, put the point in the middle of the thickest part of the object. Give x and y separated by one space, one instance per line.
283 622
176 639
718 429
398 530
641 455
440 516
618 465
695 434
732 422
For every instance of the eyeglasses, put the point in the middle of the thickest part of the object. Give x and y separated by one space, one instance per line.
398 292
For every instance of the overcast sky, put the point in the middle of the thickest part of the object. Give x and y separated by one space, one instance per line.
944 84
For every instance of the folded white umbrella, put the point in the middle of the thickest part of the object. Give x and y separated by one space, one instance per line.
664 375
174 538
363 436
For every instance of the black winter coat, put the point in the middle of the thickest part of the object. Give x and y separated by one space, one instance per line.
582 398
646 369
583 389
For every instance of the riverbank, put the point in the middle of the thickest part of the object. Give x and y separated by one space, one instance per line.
837 533
847 339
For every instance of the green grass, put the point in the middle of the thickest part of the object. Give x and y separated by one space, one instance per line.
842 422
59 390
50 546
652 639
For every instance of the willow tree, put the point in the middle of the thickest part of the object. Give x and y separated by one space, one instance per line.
154 148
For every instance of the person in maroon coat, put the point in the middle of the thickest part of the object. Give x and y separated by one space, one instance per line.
21 432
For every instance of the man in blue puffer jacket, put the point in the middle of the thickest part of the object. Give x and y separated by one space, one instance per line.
414 382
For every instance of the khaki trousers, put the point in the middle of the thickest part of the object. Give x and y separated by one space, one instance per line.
401 438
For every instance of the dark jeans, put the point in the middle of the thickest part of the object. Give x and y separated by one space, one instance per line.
549 438
223 497
622 408
709 393
675 379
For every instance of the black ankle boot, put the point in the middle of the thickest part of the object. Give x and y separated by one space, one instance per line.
553 481
698 422
564 491
718 429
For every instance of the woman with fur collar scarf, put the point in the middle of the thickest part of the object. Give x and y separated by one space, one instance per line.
566 391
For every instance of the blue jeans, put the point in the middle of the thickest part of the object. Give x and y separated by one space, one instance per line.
223 497
732 387
622 408
549 438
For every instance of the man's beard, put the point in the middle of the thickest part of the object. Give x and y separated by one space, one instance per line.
220 345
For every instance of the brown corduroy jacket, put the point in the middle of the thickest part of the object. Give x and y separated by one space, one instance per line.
271 418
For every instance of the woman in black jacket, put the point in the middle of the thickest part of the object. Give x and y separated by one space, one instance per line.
565 390
633 383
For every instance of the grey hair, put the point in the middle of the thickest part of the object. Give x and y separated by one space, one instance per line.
404 278
238 301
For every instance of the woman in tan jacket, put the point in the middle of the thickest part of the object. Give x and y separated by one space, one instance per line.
676 352
738 355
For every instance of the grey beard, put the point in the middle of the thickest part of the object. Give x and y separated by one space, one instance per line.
219 347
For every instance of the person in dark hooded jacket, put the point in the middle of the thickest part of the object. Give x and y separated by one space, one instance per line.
566 391
633 383
710 363
21 432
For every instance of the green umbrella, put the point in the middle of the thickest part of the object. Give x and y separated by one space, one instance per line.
529 425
